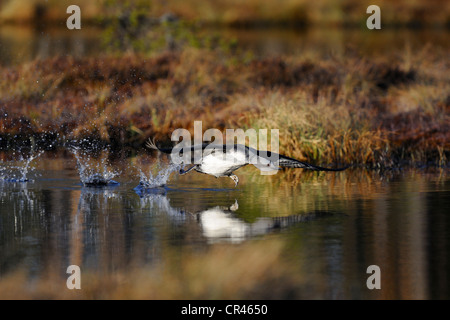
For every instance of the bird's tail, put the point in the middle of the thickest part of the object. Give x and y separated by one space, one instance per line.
318 168
293 163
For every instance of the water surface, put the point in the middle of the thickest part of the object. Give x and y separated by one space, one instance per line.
333 225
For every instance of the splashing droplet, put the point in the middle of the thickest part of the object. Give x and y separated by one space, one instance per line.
153 181
94 173
19 173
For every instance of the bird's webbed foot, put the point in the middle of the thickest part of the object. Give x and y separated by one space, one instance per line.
235 179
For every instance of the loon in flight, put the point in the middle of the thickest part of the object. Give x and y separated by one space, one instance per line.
222 160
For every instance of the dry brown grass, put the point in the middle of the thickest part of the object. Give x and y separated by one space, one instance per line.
321 131
335 109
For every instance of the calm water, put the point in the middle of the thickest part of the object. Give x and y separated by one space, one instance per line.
334 225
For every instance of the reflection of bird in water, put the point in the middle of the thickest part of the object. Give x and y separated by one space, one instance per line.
222 223
219 223
223 160
158 203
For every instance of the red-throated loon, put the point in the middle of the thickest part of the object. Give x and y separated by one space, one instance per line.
222 160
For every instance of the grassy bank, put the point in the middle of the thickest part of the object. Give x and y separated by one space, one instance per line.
330 109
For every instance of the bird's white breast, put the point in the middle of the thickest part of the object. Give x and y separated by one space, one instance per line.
217 163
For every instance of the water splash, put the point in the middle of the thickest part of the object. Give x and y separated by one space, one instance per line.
149 182
19 173
94 172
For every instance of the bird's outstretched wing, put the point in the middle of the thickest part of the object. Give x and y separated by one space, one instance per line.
293 163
